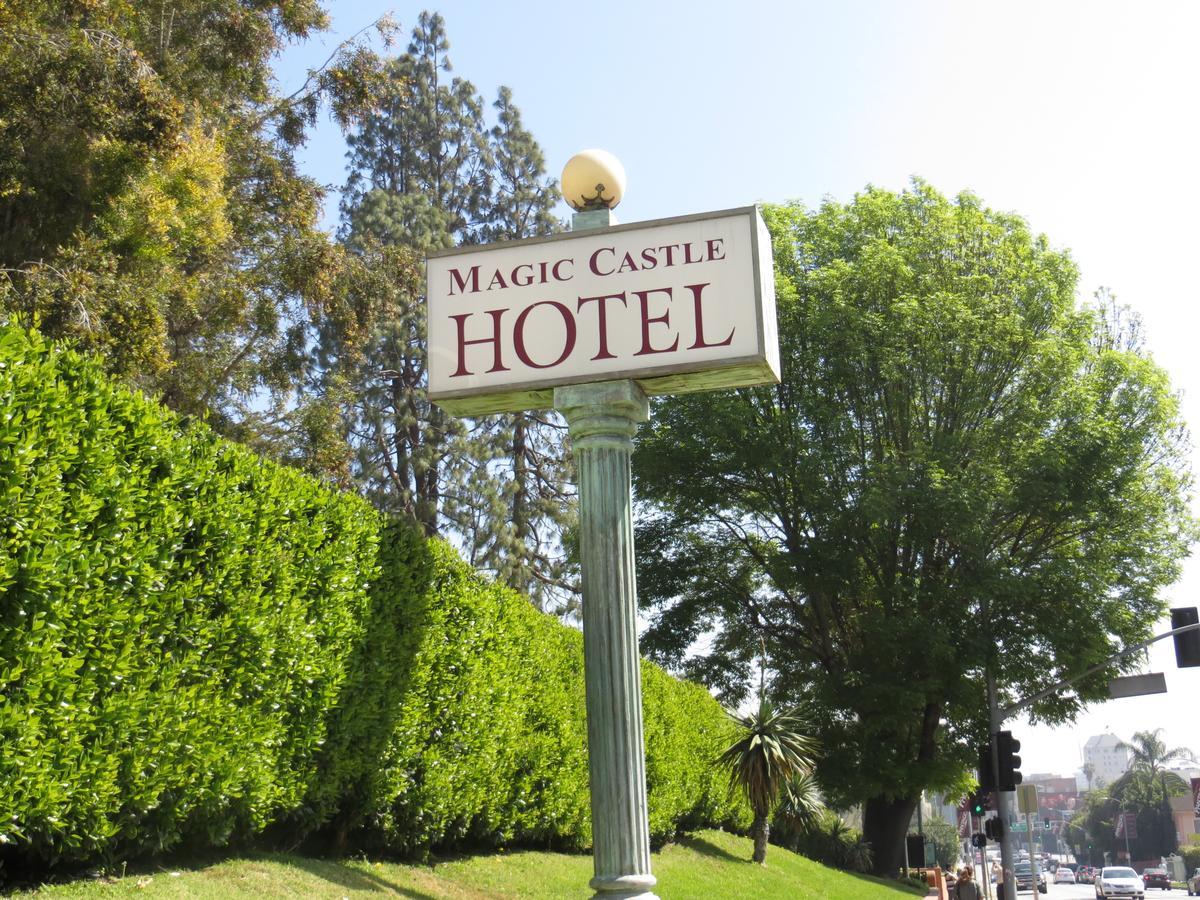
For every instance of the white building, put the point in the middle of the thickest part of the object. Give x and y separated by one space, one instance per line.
1109 757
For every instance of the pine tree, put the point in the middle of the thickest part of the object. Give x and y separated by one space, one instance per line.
426 173
526 547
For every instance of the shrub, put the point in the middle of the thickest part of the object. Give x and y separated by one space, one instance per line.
174 623
829 840
1191 857
198 647
490 744
685 732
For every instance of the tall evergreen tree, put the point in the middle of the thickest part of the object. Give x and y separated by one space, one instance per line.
525 545
427 173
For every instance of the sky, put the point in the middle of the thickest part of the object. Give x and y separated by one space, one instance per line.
1082 117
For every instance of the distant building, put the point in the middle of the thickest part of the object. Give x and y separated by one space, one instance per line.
1108 756
1057 795
1185 771
1184 814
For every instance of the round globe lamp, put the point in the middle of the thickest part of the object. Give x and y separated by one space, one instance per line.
593 179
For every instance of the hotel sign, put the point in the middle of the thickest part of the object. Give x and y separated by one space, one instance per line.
679 305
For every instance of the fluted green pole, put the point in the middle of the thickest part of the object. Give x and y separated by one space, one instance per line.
603 418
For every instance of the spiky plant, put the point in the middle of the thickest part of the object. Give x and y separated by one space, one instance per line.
771 749
800 802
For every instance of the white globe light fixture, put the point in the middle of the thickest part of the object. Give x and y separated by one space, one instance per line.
593 179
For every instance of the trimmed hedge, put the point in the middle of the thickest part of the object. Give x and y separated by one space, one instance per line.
490 743
198 648
174 624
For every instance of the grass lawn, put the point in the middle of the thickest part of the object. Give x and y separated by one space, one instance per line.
709 865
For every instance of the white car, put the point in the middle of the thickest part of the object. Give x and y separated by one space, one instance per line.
1119 881
1063 875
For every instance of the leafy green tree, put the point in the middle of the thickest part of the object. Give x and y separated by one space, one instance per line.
426 174
1150 755
1075 837
944 838
1141 793
150 205
960 470
770 751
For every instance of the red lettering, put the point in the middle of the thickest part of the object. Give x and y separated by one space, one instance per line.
520 280
687 254
649 259
557 276
497 278
648 320
670 248
457 278
700 344
602 317
519 335
627 264
713 246
594 263
494 340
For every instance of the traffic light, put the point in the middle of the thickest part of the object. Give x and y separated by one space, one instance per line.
979 803
1008 773
994 829
1187 644
978 839
987 783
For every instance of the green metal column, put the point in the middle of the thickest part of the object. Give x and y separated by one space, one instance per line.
603 418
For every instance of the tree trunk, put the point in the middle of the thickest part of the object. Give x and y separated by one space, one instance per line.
885 823
760 831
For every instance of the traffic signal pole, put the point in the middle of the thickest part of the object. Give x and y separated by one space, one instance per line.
996 717
1008 891
985 878
1009 711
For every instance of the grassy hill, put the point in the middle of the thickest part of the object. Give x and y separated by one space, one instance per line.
709 865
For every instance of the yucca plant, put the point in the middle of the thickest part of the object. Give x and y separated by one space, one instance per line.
800 803
771 749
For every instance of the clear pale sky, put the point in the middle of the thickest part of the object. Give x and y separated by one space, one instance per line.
1079 116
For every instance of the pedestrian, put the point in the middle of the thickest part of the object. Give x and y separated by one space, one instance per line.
951 879
966 888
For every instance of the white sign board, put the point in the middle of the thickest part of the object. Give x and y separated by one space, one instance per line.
678 305
1137 685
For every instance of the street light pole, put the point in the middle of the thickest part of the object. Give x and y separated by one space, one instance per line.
602 418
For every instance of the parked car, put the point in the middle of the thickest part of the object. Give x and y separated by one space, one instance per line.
1193 884
1119 881
1023 872
1156 878
1063 875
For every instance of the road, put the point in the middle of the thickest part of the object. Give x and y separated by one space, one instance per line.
1088 892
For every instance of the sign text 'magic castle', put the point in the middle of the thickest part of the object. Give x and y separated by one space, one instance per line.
678 305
